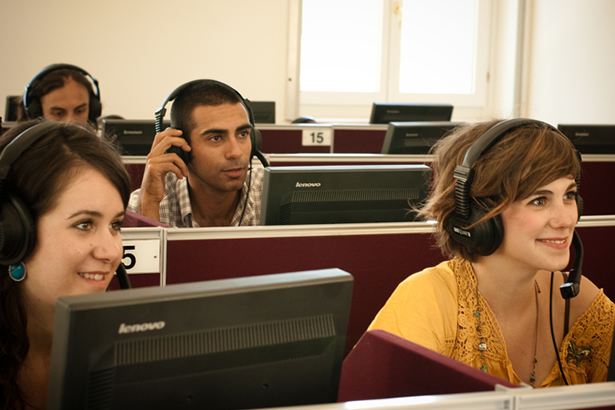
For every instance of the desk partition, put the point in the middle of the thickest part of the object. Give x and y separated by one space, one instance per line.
582 396
379 256
322 138
357 139
597 172
306 138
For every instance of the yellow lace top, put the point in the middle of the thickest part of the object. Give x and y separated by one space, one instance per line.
421 310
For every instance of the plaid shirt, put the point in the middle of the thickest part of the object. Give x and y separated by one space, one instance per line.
176 210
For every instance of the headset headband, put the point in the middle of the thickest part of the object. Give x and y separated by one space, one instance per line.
161 112
34 81
22 142
464 173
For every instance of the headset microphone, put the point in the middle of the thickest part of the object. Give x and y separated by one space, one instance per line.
122 277
571 288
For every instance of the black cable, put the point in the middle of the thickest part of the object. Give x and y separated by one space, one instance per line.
262 159
122 277
245 204
559 361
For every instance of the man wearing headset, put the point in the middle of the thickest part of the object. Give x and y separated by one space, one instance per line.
207 180
61 92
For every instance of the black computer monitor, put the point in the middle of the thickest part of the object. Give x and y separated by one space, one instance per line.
11 107
343 194
384 113
590 138
133 137
264 111
251 342
415 137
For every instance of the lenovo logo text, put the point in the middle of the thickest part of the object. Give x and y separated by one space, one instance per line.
143 327
307 185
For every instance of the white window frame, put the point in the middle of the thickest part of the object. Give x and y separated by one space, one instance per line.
342 105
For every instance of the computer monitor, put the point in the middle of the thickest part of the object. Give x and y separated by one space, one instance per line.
133 137
415 137
590 138
10 109
384 113
251 342
342 194
264 111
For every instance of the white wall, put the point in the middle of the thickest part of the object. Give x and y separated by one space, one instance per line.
572 62
141 50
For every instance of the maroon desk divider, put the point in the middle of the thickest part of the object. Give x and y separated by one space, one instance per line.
135 220
280 140
135 171
383 365
358 140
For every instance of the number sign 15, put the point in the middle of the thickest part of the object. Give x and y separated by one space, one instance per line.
316 136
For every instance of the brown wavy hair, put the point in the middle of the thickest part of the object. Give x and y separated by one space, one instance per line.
524 159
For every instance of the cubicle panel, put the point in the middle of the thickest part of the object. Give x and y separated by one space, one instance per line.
367 140
597 251
138 281
378 258
135 165
144 255
135 171
377 262
287 140
597 185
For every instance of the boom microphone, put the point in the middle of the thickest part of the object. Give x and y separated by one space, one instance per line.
571 288
122 277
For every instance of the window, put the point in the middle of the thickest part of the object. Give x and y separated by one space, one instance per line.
355 52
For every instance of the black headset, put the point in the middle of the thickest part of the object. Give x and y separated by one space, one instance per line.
33 106
255 135
17 226
484 238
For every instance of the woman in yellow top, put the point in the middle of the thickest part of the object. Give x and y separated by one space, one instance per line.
505 199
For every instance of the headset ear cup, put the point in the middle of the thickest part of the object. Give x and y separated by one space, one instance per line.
185 156
17 230
483 239
95 109
34 110
489 236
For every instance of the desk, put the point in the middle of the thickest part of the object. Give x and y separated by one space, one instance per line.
597 395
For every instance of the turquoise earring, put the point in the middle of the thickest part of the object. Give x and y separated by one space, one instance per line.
18 272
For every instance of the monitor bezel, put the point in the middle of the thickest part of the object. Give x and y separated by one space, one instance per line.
381 112
67 384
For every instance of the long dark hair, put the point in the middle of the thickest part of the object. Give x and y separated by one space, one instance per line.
51 81
38 177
